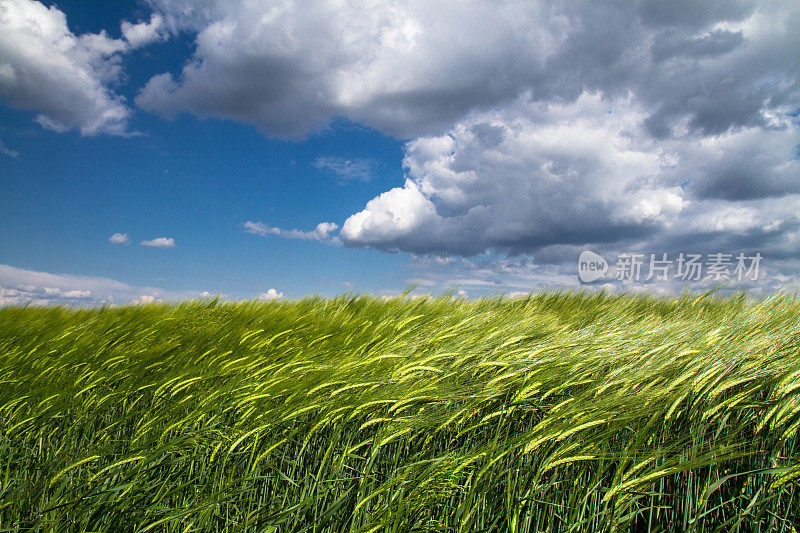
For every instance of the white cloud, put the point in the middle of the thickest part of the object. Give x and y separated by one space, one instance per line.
324 229
322 232
145 299
160 242
346 170
271 294
523 177
77 294
63 76
119 238
7 151
144 33
517 294
66 78
396 215
28 287
415 67
533 175
401 67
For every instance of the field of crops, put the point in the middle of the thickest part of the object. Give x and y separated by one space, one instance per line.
559 412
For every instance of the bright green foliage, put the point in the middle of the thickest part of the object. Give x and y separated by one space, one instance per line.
559 412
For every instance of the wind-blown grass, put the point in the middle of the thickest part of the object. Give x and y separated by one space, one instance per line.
559 412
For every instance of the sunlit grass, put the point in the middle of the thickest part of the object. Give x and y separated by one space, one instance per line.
559 412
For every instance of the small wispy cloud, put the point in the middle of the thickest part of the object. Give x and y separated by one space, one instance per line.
145 299
160 242
77 294
320 233
27 287
119 238
7 151
19 287
346 170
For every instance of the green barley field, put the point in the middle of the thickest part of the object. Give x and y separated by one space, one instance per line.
557 412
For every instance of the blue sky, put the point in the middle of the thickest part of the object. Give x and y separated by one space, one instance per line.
198 182
317 147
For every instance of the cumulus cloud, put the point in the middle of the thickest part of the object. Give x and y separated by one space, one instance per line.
678 133
346 170
402 67
119 238
160 242
524 177
144 33
535 175
271 294
66 78
415 67
322 232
